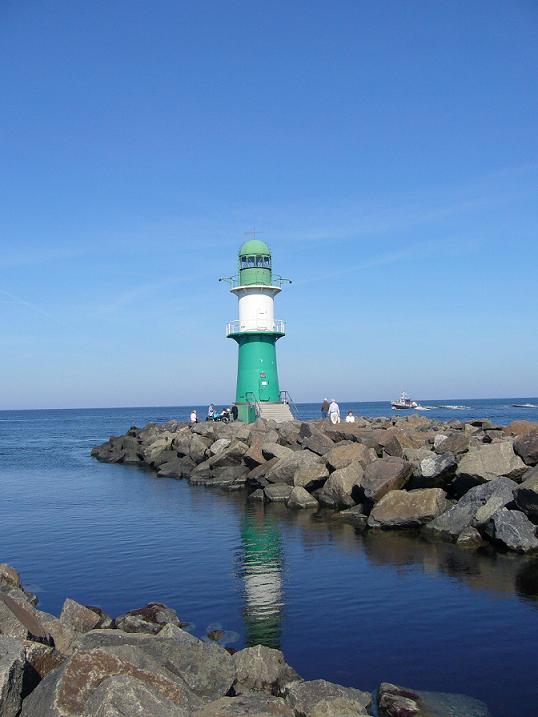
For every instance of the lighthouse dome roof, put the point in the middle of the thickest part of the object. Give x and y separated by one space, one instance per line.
254 247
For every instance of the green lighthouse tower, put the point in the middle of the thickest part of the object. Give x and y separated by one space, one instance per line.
256 333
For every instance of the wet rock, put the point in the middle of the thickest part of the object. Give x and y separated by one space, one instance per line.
150 619
122 695
526 495
355 516
253 705
257 495
526 447
301 498
345 453
11 675
470 537
396 701
408 509
514 530
383 475
311 476
319 698
341 488
262 668
78 617
21 621
488 462
278 492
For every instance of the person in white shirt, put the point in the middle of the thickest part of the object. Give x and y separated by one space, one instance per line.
350 418
194 416
334 412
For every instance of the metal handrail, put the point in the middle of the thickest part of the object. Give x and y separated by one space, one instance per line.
286 398
253 401
276 327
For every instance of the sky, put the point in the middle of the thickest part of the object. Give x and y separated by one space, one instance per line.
386 151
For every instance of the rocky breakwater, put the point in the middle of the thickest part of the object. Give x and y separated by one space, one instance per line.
472 483
144 663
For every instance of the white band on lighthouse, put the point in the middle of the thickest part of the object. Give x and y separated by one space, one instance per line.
256 307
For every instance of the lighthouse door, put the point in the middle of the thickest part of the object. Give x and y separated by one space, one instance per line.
263 387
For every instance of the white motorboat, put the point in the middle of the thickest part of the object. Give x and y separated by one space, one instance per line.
404 402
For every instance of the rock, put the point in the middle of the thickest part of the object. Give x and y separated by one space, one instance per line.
253 705
230 456
66 691
285 469
257 495
435 471
395 701
311 476
438 441
488 462
520 428
318 443
262 668
403 509
354 516
40 660
345 453
463 515
219 445
78 617
62 635
11 675
150 619
301 498
176 468
514 530
319 698
122 695
278 492
526 495
9 576
257 475
526 447
275 450
254 456
21 621
289 433
470 537
455 443
383 475
341 488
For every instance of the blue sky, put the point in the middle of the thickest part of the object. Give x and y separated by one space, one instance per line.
387 151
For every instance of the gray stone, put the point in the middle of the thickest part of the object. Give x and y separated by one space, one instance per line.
489 461
318 442
383 475
311 476
78 617
436 470
62 635
40 660
11 675
345 453
21 621
284 470
278 492
251 705
470 537
526 447
514 530
123 695
526 495
261 668
319 698
355 516
403 509
150 619
301 498
219 445
341 488
396 701
456 443
257 495
275 450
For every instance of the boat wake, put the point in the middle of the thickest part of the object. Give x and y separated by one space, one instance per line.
525 405
453 407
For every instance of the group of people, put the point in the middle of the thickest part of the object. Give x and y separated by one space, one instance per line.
226 415
331 411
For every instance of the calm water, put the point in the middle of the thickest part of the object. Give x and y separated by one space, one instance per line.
353 609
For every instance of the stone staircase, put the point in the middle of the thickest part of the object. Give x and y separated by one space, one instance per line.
279 412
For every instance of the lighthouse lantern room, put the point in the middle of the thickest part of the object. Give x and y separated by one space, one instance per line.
256 332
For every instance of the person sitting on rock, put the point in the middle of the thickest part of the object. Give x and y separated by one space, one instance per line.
350 418
194 416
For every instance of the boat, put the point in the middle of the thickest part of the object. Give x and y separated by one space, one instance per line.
404 402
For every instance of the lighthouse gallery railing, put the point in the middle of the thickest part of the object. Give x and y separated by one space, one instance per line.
275 327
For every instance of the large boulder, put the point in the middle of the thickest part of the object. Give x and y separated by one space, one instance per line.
526 494
311 475
513 529
318 442
526 447
345 453
149 619
21 621
12 661
487 462
40 660
62 635
497 493
122 695
285 469
520 428
456 443
278 492
251 705
275 450
407 509
78 617
342 487
436 471
262 668
319 698
301 498
383 475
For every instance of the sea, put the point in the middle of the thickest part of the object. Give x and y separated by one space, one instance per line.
351 608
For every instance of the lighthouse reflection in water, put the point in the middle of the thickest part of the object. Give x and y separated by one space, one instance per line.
262 574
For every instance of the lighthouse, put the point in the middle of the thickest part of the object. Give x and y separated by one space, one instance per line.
256 332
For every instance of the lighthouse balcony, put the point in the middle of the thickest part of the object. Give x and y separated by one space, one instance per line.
256 327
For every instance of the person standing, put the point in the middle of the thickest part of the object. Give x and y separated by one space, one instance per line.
324 409
210 412
334 412
235 412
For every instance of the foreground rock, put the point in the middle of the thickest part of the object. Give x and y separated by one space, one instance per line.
396 701
317 698
403 509
12 660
